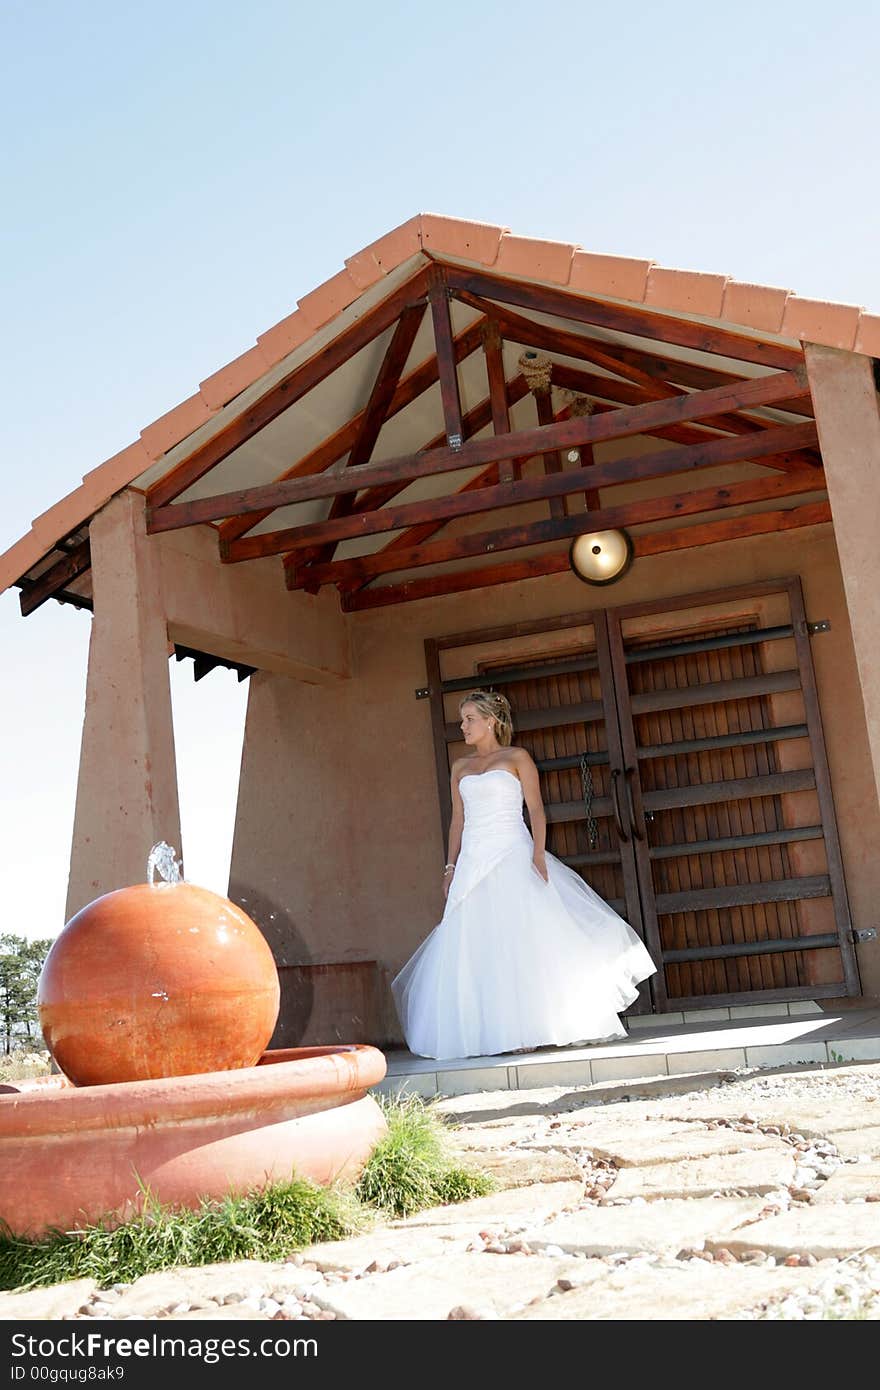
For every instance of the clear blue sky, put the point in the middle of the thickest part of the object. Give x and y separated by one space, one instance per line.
175 175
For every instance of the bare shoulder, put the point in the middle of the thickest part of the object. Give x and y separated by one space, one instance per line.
459 767
520 757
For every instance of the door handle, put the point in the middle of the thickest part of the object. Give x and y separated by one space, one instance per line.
628 773
615 802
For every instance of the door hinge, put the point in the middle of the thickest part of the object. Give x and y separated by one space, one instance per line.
824 625
423 692
864 934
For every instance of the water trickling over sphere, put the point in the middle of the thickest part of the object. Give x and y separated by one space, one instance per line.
154 980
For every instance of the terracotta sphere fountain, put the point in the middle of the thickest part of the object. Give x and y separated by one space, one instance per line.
157 1003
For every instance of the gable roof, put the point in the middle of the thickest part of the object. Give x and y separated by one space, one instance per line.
58 536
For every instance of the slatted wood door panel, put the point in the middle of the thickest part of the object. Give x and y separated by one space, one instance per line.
565 715
728 800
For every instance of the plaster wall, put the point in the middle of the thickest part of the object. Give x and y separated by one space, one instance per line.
245 614
338 846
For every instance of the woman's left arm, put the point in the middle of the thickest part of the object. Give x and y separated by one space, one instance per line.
528 775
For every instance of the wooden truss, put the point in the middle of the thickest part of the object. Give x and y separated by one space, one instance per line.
705 415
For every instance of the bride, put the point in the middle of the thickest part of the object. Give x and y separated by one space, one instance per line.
526 954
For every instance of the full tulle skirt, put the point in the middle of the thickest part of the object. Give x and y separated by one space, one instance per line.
516 962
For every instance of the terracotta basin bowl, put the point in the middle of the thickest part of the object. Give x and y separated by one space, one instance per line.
70 1156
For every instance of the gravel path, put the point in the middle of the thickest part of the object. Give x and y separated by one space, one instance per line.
745 1195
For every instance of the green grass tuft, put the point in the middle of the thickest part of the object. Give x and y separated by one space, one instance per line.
264 1225
409 1169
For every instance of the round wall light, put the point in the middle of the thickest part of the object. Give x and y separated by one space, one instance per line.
601 557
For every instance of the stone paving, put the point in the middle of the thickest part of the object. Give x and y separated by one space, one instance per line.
728 1195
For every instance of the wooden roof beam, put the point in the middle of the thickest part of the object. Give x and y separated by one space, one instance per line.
491 475
337 445
557 528
566 434
580 345
438 298
573 344
56 578
679 538
377 407
624 393
623 318
494 359
635 468
374 498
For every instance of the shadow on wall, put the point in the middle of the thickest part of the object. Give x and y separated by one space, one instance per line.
322 1002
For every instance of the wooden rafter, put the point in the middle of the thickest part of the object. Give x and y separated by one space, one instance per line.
286 392
680 538
580 345
637 384
636 468
488 477
53 580
387 379
624 393
692 374
376 411
497 392
330 450
734 528
685 434
571 433
374 498
622 318
438 297
552 460
518 327
624 514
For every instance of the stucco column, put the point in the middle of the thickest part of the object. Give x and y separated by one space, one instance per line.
847 415
126 797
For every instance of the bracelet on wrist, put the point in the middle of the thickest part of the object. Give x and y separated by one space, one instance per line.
447 867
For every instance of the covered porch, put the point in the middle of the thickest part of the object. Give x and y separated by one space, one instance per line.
371 511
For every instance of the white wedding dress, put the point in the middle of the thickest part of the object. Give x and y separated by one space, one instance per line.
515 962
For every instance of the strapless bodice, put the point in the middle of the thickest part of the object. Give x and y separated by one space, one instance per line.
493 804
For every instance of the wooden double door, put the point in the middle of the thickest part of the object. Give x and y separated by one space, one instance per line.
684 775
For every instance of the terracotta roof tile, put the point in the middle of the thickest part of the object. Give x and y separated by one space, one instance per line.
175 425
621 277
364 269
120 470
227 383
58 519
868 336
455 236
323 304
395 247
688 291
278 341
819 321
18 559
538 260
754 306
98 486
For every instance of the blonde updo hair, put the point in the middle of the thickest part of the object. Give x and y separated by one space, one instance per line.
492 705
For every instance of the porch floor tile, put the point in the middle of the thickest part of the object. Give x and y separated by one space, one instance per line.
670 1047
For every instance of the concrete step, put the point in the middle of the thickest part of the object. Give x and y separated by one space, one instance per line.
659 1045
